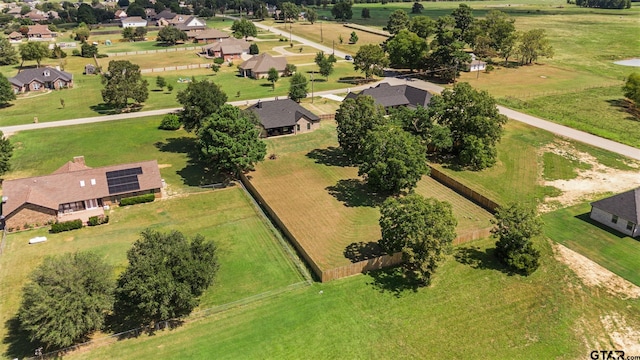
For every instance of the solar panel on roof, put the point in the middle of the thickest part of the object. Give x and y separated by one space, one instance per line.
125 180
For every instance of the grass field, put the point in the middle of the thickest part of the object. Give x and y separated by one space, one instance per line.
473 310
225 216
326 205
573 228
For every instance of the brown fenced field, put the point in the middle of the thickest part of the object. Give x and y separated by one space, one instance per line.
326 206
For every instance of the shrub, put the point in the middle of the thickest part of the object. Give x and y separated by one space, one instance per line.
65 226
218 60
137 199
98 220
170 122
75 52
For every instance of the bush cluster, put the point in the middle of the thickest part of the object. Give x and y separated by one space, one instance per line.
170 122
98 220
65 226
137 199
218 60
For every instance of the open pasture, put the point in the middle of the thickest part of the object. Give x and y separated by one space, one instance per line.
326 206
225 216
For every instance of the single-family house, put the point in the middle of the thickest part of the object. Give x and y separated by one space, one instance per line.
207 36
134 21
259 65
39 33
282 117
36 16
75 191
40 79
229 49
393 96
15 37
120 14
620 212
475 64
163 17
188 23
16 12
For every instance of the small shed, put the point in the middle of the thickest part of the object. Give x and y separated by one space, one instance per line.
89 69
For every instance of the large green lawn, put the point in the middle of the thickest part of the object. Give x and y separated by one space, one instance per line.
473 310
573 228
226 216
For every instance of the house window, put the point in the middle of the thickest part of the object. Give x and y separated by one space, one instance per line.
629 225
36 86
614 219
298 127
308 126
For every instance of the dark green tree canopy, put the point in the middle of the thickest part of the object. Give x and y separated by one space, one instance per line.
8 55
67 299
392 160
199 100
398 20
514 227
229 141
170 35
6 152
273 77
355 118
463 20
123 81
311 15
448 56
166 275
298 87
342 10
422 26
407 50
534 44
631 88
421 229
417 8
289 10
34 50
6 91
244 28
371 60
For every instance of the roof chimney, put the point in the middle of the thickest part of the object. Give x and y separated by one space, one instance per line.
78 160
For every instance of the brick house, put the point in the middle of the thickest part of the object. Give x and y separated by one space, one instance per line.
394 96
75 191
258 66
40 33
229 49
40 79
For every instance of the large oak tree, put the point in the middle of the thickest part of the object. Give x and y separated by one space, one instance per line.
123 81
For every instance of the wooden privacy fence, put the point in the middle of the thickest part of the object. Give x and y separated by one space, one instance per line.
465 191
361 266
327 116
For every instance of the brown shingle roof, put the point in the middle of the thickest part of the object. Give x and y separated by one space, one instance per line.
65 185
263 62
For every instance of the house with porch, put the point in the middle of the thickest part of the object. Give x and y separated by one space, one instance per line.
229 49
40 33
40 79
75 191
620 212
284 117
258 66
389 96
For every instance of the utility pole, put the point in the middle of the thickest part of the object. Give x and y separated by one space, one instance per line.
333 47
321 39
312 87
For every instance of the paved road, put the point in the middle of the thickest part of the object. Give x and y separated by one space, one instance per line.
561 130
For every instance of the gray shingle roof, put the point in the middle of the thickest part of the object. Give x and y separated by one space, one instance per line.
263 62
279 113
387 95
41 75
626 205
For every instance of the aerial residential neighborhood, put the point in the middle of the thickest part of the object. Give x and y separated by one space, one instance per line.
320 180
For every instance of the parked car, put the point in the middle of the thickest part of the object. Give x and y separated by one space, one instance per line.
348 57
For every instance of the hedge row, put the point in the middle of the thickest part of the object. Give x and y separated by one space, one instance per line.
66 226
137 199
98 220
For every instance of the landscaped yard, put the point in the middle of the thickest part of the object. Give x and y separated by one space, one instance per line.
573 228
472 310
226 216
325 204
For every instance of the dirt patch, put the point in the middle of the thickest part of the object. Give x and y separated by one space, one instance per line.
623 336
593 274
164 166
596 180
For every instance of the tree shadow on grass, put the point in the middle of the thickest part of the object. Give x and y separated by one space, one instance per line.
355 193
196 172
359 251
392 280
331 156
475 258
625 106
17 341
103 109
587 218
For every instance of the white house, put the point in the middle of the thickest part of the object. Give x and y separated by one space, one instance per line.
476 65
620 212
134 21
